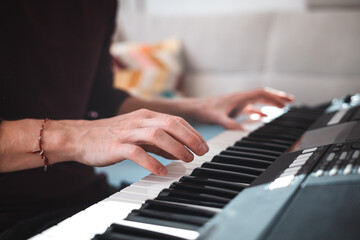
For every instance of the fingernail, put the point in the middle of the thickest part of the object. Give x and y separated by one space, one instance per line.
189 157
207 147
163 171
203 148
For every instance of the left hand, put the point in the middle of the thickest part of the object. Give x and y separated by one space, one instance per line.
222 109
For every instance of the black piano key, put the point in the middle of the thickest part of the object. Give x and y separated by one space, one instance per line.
258 156
223 175
248 162
283 136
135 217
282 119
201 199
255 150
262 145
291 124
302 113
191 187
170 216
233 168
120 236
121 232
269 140
279 130
177 208
214 182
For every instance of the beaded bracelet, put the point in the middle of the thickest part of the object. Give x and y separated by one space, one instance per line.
41 150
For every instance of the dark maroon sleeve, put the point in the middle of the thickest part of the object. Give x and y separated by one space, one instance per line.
105 100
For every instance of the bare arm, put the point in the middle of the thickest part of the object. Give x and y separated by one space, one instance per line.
18 138
212 110
102 142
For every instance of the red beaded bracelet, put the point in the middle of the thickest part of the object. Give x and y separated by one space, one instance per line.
40 150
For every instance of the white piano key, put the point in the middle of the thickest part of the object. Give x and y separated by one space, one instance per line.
190 166
149 192
152 185
158 179
187 234
86 224
135 197
170 175
183 172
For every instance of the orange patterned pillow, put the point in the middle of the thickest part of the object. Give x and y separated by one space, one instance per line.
148 70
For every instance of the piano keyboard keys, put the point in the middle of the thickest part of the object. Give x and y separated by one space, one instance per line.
262 145
204 189
162 219
248 162
255 150
215 182
206 184
259 156
223 175
174 195
233 168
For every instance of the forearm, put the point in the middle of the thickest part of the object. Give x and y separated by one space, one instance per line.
19 138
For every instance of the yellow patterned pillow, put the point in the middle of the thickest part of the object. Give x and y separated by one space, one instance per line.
148 70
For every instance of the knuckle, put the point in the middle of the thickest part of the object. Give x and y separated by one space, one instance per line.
144 112
134 151
169 121
154 133
194 140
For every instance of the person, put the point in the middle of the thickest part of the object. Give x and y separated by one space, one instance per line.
56 85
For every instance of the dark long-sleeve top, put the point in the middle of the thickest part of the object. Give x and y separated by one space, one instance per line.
54 63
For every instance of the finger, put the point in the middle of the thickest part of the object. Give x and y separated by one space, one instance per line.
251 110
139 156
175 127
161 139
283 95
268 96
272 99
158 151
229 123
186 124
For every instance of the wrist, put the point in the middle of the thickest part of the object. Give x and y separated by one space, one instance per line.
59 140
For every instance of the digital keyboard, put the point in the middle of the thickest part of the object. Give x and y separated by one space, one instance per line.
243 187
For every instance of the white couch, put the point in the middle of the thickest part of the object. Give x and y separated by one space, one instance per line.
313 54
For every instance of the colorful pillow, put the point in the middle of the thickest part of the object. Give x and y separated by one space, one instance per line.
148 70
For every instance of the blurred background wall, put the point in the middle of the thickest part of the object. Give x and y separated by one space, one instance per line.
306 47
